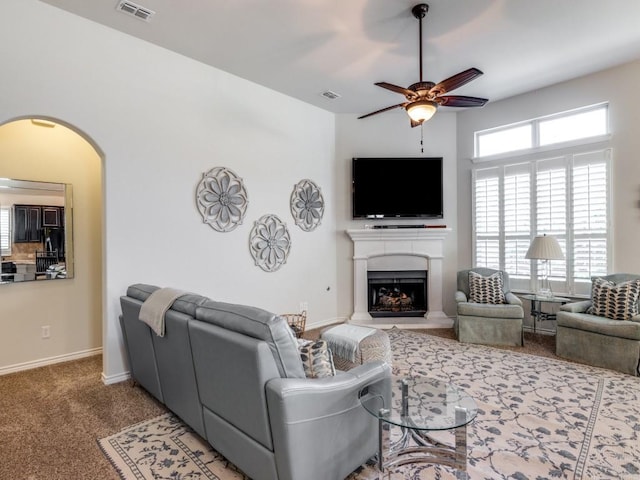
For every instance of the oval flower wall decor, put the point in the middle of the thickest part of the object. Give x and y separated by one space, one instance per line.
307 205
269 242
222 199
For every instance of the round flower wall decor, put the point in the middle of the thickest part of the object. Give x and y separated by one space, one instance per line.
269 242
222 199
307 205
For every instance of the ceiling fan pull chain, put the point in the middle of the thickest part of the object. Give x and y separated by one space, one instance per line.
422 137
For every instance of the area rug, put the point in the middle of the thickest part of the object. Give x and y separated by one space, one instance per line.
538 418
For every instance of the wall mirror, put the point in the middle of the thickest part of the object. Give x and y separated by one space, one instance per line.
36 231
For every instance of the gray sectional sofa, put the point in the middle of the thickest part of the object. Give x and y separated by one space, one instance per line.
233 373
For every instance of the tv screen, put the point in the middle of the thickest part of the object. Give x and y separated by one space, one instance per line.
397 187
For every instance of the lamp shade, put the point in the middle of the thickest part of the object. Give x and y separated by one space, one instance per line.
545 247
422 110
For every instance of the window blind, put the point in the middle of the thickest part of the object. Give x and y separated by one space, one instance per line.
5 231
565 196
487 217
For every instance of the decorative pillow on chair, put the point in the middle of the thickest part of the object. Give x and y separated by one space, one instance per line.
486 289
618 302
316 358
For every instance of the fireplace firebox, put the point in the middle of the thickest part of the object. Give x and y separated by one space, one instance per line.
397 293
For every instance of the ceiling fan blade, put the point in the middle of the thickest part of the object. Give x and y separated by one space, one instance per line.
382 110
461 101
456 81
410 94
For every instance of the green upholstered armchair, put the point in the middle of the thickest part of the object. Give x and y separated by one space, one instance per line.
599 340
488 323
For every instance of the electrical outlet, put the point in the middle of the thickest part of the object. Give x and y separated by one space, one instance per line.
46 331
304 306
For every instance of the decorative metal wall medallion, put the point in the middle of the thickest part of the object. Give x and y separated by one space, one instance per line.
222 199
307 205
269 242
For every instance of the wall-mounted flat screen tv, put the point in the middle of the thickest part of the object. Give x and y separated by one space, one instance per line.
397 187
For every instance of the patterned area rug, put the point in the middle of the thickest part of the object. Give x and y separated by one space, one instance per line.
538 418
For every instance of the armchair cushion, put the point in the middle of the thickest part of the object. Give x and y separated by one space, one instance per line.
488 310
576 307
618 302
488 289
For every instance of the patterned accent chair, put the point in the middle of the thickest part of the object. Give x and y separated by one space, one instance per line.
488 323
605 330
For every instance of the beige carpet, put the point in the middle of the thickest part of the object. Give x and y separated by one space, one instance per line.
50 418
539 418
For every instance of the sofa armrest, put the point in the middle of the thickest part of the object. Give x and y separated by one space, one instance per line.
512 299
635 318
460 297
576 307
319 425
302 399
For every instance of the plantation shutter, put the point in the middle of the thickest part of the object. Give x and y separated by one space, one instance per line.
551 207
589 185
517 219
487 217
5 231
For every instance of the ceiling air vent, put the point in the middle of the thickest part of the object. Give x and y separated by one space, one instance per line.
135 10
330 95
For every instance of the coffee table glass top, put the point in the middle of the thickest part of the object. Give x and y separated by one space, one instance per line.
429 404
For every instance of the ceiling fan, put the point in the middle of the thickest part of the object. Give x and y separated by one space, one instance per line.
424 98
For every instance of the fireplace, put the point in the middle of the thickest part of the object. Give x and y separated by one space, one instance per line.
400 249
397 293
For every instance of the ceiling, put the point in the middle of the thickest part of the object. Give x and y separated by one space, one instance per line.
305 47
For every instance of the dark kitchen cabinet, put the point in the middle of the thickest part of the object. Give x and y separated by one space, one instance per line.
27 223
52 216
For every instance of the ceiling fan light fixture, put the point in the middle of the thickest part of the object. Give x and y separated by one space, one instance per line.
422 110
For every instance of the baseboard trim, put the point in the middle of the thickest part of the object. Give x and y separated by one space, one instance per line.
119 377
43 362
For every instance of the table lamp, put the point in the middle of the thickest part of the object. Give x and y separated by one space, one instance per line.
545 248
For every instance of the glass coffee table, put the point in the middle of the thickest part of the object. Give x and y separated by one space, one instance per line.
421 406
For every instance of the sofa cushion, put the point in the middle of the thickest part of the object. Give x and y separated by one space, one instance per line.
601 325
486 289
257 323
618 302
317 359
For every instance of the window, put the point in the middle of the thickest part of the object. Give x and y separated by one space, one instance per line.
504 140
573 126
548 175
564 196
538 133
5 231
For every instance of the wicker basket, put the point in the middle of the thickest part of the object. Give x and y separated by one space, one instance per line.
296 321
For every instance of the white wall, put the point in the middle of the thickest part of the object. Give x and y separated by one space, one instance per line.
618 86
162 120
386 135
71 307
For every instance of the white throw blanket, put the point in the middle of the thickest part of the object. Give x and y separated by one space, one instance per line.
344 340
156 305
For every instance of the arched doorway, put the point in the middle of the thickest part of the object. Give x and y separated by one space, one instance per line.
49 150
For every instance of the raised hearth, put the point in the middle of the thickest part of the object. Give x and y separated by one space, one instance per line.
400 249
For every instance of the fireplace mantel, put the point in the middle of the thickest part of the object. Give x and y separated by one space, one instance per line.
423 244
